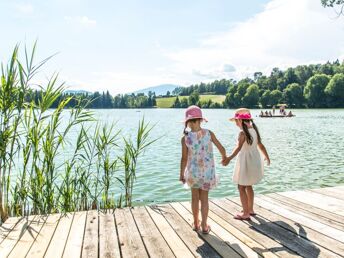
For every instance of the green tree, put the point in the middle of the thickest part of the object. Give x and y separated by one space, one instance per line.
176 103
335 91
251 96
334 3
265 98
293 95
314 90
194 98
184 103
275 97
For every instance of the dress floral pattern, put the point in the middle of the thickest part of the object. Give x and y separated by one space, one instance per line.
200 169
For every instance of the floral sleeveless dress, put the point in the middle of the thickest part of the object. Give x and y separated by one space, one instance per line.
200 169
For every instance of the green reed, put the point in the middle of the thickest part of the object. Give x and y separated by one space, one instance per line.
100 169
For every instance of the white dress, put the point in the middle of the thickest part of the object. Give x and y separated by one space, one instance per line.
249 165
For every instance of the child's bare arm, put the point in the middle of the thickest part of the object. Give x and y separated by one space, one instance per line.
218 145
241 140
183 160
265 153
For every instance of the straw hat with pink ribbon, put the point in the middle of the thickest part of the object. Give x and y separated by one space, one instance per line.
193 112
241 113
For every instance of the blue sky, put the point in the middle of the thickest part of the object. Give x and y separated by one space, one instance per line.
123 46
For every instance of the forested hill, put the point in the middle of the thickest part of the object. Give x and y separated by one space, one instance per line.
309 86
315 85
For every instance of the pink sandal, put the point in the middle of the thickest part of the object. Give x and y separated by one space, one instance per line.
239 217
205 232
194 228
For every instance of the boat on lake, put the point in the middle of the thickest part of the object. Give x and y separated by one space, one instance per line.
267 116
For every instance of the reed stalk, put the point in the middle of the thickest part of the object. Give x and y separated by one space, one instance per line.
35 175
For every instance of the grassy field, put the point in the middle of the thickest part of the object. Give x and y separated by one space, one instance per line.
168 102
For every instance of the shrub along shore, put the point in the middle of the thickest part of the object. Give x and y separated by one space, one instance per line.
101 170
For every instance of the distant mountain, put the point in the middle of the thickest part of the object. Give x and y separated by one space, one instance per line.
77 92
159 89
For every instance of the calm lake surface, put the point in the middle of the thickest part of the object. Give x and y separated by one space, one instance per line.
306 151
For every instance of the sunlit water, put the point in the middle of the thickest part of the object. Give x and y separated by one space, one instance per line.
306 151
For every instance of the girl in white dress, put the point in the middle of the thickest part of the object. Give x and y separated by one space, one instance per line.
249 166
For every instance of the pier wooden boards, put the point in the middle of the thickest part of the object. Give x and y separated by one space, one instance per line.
307 223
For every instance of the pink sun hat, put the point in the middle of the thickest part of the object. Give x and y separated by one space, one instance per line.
241 113
193 112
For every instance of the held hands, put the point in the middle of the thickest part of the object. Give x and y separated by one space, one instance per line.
182 179
225 161
267 161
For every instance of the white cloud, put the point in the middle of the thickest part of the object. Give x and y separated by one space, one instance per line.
82 20
24 8
120 82
286 33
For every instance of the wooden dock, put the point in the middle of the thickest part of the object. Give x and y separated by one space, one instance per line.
306 223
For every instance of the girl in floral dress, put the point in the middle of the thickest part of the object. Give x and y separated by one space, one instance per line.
197 167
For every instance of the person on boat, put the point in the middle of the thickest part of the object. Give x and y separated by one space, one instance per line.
248 169
266 113
270 114
261 113
273 110
290 114
197 166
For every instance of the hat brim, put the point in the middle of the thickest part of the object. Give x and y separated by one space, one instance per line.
204 119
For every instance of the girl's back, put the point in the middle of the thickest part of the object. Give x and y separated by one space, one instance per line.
254 146
249 166
200 170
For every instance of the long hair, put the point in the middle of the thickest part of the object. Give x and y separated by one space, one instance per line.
249 138
257 131
186 124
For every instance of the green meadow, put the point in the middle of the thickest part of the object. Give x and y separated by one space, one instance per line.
168 102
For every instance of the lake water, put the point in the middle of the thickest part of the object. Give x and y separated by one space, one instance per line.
306 151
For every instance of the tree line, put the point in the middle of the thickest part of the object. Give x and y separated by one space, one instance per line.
312 86
99 100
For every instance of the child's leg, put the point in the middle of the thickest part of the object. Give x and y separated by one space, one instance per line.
204 208
250 197
195 205
244 200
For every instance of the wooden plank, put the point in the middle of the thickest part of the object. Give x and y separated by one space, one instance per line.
220 246
15 235
336 219
301 246
269 245
129 237
42 241
90 245
175 243
315 216
76 235
197 246
300 230
7 226
225 220
58 241
318 200
26 241
301 217
222 232
108 240
155 243
330 191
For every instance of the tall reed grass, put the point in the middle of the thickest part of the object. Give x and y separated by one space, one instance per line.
35 176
